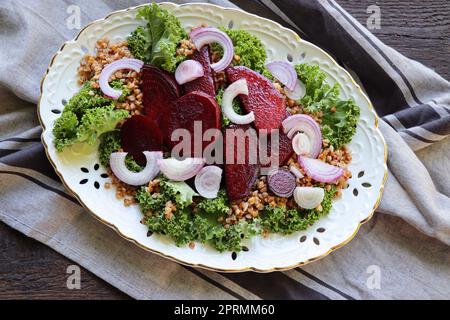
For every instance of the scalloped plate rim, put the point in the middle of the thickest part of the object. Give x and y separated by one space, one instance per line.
117 229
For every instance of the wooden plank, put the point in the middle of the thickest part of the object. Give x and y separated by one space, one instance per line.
418 29
31 270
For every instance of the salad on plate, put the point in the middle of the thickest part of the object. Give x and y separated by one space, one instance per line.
214 143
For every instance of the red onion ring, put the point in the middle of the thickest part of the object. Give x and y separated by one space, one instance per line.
297 93
233 90
207 181
188 71
180 170
296 172
110 69
283 72
301 144
308 197
207 35
306 124
319 170
120 170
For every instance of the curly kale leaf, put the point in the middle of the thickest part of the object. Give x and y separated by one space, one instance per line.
87 98
111 143
86 116
97 121
249 48
282 220
157 42
319 94
65 129
339 124
186 226
231 239
140 45
339 117
117 84
217 206
178 191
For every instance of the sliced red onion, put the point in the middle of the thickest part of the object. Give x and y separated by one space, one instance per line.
120 170
307 125
188 71
207 181
181 170
110 69
282 183
301 144
208 35
296 172
319 170
297 93
283 72
308 197
233 90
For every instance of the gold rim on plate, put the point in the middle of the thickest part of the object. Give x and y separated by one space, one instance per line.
116 229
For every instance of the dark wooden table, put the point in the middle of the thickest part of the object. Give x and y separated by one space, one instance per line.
420 29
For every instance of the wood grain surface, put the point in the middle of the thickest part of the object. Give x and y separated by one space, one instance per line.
419 29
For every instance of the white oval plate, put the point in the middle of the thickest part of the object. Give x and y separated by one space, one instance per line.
276 252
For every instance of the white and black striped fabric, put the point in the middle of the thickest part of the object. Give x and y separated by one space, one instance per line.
411 98
408 243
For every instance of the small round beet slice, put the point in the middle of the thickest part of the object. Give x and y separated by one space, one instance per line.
282 183
139 134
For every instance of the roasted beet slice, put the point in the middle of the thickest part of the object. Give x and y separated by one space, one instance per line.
263 98
205 83
240 173
138 134
285 150
183 113
159 89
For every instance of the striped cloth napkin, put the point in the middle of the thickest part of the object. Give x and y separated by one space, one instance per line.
405 245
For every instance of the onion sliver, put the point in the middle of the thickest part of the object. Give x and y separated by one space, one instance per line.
181 170
233 90
308 197
319 170
307 125
188 71
297 93
120 170
208 35
283 72
282 183
207 181
301 144
296 172
110 69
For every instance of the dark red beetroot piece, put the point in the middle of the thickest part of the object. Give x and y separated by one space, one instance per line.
205 83
159 89
263 98
285 148
239 178
182 114
138 134
282 183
